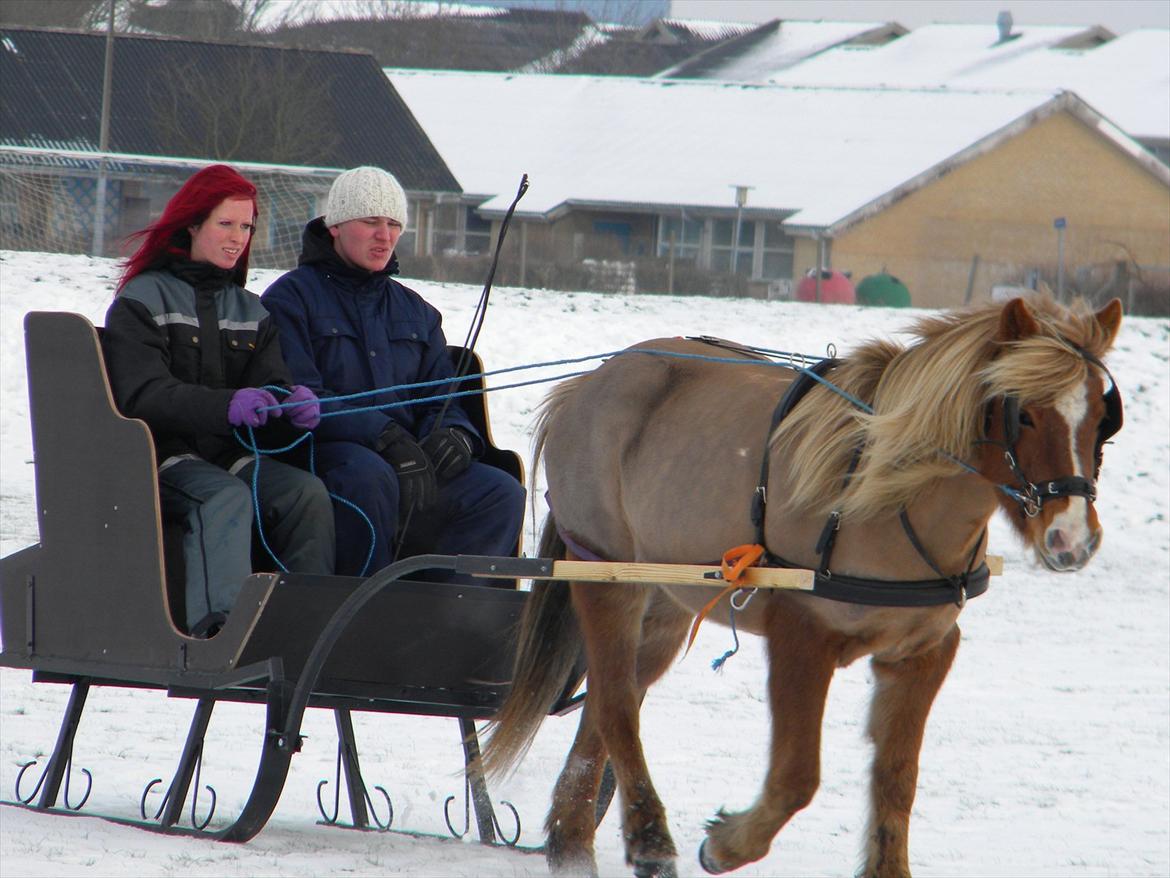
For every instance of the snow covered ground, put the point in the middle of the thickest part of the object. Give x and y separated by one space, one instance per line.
1047 753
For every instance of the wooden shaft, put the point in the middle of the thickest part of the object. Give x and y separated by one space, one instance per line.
695 574
677 574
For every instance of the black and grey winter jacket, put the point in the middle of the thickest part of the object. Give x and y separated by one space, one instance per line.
178 343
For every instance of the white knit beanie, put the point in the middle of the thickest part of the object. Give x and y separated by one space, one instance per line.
362 192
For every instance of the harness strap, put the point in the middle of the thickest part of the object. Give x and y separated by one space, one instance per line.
855 590
890 593
800 385
879 593
958 581
828 538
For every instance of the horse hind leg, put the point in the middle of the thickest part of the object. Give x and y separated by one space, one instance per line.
904 693
571 823
802 657
573 818
611 622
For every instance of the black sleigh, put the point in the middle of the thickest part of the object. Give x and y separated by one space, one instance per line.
89 606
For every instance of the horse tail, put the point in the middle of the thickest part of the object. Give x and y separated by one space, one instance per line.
548 644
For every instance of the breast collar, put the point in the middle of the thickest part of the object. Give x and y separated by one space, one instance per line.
953 589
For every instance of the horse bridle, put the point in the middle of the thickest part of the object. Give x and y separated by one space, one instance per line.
1032 495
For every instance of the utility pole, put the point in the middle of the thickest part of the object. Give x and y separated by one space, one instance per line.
741 194
99 208
1059 224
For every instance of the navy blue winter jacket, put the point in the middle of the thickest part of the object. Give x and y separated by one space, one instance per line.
345 330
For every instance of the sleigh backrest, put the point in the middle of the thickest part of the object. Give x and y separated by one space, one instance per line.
94 587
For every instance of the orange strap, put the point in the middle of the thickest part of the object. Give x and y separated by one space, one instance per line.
735 562
739 559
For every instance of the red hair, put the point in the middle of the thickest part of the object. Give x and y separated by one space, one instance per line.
204 191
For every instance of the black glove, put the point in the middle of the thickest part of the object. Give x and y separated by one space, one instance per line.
450 450
416 475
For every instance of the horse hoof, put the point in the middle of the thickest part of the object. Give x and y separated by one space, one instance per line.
706 862
655 869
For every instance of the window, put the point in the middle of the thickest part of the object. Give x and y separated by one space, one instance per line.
478 237
445 218
617 234
778 252
409 238
730 259
687 235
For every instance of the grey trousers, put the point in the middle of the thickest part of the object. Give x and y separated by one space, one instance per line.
214 509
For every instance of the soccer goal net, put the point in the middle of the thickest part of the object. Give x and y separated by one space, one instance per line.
63 201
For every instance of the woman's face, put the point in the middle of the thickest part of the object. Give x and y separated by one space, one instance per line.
222 237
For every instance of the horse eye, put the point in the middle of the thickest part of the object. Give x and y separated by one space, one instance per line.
1026 420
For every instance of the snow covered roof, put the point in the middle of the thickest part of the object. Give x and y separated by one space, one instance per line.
781 45
826 155
286 13
1126 78
51 94
933 55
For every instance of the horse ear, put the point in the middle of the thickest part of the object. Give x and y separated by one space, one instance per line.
1016 321
1109 319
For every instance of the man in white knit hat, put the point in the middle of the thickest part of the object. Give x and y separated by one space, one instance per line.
347 326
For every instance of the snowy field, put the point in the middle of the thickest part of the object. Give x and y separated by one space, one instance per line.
1047 752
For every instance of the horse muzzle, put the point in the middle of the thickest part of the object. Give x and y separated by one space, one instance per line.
1062 554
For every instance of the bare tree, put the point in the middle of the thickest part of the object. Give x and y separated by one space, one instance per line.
57 13
220 111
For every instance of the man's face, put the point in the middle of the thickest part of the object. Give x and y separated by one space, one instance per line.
367 242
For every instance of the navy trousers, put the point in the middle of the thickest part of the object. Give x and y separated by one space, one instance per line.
214 509
479 512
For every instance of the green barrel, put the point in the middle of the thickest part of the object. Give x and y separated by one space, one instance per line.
883 290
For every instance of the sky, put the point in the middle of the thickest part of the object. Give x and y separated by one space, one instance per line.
1118 16
1047 752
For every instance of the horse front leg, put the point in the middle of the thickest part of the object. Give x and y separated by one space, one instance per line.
610 618
904 693
802 657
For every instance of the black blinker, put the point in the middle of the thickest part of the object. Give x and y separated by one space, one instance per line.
1011 420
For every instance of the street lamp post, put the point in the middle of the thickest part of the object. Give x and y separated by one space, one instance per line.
741 194
1059 224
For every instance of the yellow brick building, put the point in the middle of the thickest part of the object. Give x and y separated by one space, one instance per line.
993 208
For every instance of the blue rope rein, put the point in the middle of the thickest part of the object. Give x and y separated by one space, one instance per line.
251 444
779 358
785 360
792 361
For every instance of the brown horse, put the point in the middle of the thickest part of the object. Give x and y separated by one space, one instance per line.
655 457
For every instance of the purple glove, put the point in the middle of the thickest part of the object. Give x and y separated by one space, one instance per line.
307 416
247 407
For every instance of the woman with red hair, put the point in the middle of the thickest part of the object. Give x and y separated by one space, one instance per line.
192 353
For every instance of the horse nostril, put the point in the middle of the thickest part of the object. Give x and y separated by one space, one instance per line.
1056 540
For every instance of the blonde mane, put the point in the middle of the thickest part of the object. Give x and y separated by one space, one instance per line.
929 399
